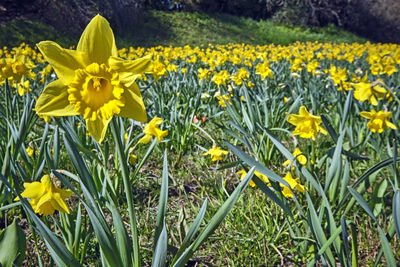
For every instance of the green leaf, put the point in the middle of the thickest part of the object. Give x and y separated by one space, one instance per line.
318 231
325 246
329 128
370 171
162 205
252 162
347 108
335 169
396 211
387 250
160 252
192 231
123 240
216 219
12 245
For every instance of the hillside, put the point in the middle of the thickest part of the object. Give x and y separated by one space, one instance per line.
151 28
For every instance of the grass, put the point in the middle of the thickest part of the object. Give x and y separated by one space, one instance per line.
152 28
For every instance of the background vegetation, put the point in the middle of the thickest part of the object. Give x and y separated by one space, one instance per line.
148 23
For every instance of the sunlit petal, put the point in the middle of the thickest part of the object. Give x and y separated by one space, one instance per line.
54 101
98 41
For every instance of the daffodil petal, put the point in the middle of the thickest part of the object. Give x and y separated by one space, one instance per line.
134 106
97 40
98 128
59 203
366 114
33 190
44 205
145 139
64 193
54 101
295 119
63 61
391 125
303 111
129 70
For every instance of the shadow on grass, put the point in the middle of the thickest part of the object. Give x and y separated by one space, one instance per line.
143 28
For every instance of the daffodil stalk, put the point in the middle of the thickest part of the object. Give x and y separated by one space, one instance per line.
128 190
6 163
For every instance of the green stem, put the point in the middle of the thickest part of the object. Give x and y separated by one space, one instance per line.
312 156
128 190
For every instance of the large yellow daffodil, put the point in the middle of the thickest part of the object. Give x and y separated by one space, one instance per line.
92 80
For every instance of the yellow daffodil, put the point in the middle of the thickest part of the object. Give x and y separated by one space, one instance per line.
216 153
264 70
379 121
261 176
46 197
204 74
24 87
132 158
223 100
307 125
221 77
17 67
299 156
92 80
365 90
151 129
294 184
29 151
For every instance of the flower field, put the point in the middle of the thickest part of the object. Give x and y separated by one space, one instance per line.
181 156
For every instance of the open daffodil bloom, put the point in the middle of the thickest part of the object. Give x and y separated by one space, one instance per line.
92 80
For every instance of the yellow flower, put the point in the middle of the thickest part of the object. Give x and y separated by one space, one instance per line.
294 184
46 197
307 125
223 100
221 77
300 158
24 87
378 120
261 176
312 66
338 76
216 153
205 95
29 151
17 67
92 80
264 70
151 130
364 90
204 74
132 158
